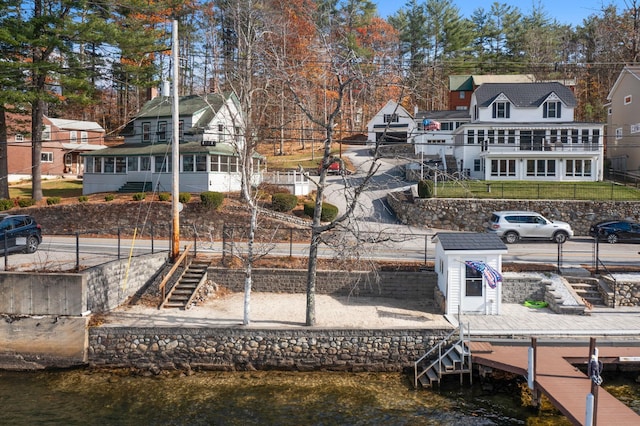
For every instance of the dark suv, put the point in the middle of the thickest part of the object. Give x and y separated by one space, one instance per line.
19 232
613 231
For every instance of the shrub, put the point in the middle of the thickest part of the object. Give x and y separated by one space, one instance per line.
6 204
83 198
164 196
282 202
184 197
25 202
109 197
425 188
53 200
329 211
212 199
139 196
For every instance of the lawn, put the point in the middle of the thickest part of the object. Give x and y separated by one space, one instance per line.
63 188
595 191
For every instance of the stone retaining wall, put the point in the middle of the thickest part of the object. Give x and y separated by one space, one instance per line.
231 349
394 284
627 291
458 214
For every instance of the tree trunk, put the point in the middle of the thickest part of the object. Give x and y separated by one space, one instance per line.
37 114
4 165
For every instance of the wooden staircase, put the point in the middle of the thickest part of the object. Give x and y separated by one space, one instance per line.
184 290
452 355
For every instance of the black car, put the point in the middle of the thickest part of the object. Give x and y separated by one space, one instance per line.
613 231
19 232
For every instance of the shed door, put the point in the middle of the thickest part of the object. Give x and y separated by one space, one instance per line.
472 291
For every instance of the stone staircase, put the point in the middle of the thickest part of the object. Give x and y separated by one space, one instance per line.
588 289
184 290
133 187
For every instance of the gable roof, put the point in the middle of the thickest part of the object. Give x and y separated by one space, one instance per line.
187 105
469 82
524 95
89 126
470 241
634 71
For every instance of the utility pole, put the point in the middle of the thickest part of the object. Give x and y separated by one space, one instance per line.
175 148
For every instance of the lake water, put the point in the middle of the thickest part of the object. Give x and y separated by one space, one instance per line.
87 397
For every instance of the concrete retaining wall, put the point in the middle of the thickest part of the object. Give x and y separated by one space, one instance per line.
230 349
42 294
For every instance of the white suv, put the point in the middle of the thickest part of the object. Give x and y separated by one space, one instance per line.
511 226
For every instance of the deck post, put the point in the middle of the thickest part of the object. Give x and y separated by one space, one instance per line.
533 369
593 355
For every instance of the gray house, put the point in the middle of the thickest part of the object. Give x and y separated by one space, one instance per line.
211 134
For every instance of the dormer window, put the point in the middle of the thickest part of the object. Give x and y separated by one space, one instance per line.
501 109
552 110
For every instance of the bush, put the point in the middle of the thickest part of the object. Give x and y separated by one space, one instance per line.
164 196
109 197
329 211
425 188
211 199
282 202
25 202
6 204
139 196
53 200
184 197
83 198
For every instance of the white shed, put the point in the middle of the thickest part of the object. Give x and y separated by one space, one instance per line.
469 268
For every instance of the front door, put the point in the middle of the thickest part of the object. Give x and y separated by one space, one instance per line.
472 291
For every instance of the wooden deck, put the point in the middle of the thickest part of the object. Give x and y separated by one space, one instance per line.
565 386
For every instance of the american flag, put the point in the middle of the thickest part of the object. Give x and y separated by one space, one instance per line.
492 276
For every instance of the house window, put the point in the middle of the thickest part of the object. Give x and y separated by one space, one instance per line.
121 164
511 138
574 136
162 164
88 168
181 129
595 137
145 164
46 157
477 165
187 163
162 131
578 168
19 137
635 128
628 99
501 109
473 282
46 132
391 118
610 111
500 136
619 133
109 164
503 168
146 132
215 163
97 164
471 136
132 164
541 168
220 128
490 136
462 95
201 163
73 136
585 136
84 137
552 110
564 136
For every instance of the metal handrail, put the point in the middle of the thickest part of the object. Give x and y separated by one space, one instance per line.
443 341
615 282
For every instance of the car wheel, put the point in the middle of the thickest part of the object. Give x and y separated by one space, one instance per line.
612 238
32 244
511 237
560 237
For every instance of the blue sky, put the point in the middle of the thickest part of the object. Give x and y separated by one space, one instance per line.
571 12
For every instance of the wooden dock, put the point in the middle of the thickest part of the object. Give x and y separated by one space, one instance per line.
557 378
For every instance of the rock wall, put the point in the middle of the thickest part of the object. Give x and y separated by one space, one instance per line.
232 349
473 215
396 284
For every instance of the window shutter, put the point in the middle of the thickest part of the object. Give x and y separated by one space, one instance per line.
494 110
559 108
544 110
507 110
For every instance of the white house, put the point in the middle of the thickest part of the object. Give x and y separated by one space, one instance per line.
211 131
469 268
623 122
392 124
526 131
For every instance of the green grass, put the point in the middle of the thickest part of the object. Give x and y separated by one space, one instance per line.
595 191
50 188
291 161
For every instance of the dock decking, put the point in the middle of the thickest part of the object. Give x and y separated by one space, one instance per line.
565 386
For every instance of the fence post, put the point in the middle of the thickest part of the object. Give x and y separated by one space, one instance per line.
152 237
118 243
290 242
77 251
6 255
